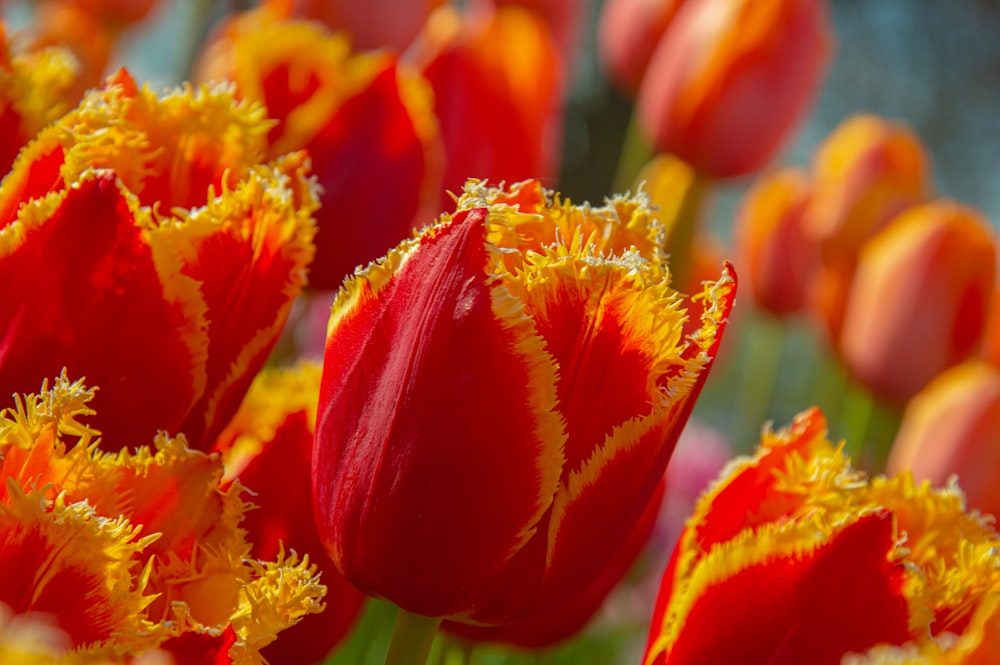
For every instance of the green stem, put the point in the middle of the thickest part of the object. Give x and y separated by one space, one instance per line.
636 151
412 637
765 342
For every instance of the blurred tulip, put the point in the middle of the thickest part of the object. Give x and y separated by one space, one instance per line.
132 552
500 108
68 24
167 252
804 560
460 467
397 25
268 447
628 32
365 120
35 88
952 427
919 299
730 79
773 247
566 20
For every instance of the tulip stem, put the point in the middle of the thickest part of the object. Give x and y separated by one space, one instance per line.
636 151
412 637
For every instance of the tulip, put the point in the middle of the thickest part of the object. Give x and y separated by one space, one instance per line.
35 88
167 254
865 173
365 120
500 398
500 108
952 428
803 559
628 32
132 552
730 79
268 448
919 299
777 255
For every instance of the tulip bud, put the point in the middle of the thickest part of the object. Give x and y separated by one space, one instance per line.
867 171
772 244
919 299
952 428
730 79
500 398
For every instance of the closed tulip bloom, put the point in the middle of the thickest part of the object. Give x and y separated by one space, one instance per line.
364 118
730 79
500 108
628 32
777 255
952 427
865 173
500 398
144 242
267 447
805 560
919 299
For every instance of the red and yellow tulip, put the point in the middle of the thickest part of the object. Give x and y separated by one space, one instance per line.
168 254
365 119
500 398
120 554
267 448
803 559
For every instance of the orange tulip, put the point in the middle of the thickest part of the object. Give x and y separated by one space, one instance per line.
952 427
132 552
500 108
867 171
168 254
802 559
776 254
628 32
35 88
268 448
919 299
364 119
460 468
730 79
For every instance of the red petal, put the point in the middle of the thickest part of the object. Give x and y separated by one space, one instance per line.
370 147
434 449
103 315
193 648
814 606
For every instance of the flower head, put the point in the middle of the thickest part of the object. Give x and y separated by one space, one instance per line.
132 552
167 251
804 559
500 398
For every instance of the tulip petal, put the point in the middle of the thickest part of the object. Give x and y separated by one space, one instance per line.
248 249
99 268
781 600
436 310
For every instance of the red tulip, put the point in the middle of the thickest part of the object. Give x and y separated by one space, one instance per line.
731 78
798 558
628 32
476 457
500 108
365 120
168 254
